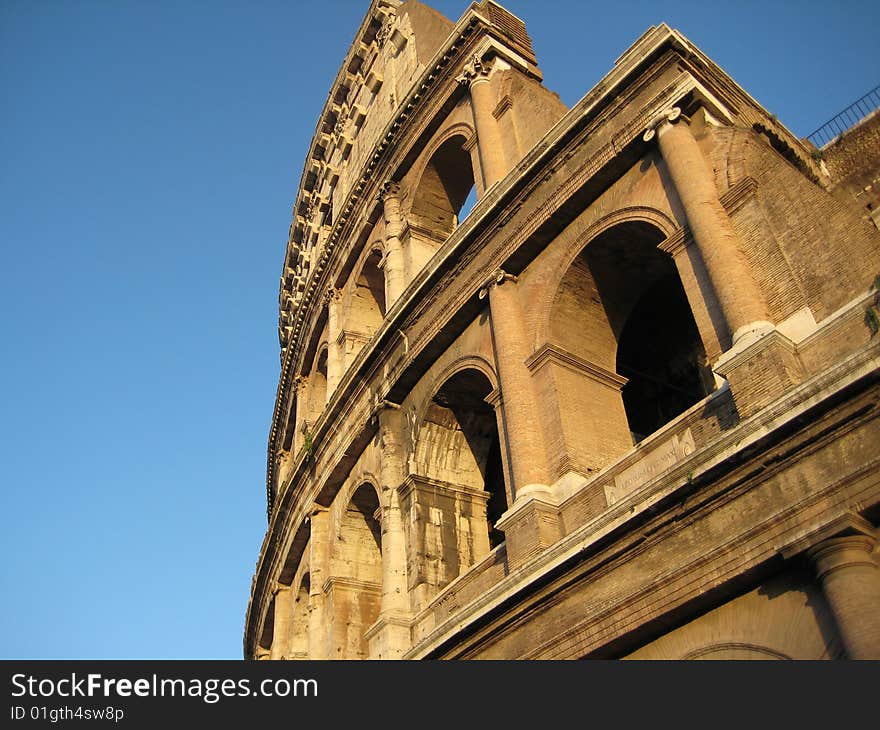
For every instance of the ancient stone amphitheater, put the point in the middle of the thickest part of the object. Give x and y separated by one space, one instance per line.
570 383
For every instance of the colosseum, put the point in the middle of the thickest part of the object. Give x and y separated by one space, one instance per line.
598 382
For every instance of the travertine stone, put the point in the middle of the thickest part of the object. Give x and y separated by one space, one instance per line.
523 433
851 582
720 247
283 610
335 364
395 274
489 141
319 561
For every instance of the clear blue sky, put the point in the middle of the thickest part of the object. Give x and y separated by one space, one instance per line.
150 153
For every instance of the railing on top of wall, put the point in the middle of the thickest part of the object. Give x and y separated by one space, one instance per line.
847 119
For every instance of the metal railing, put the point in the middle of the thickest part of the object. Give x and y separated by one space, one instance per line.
847 119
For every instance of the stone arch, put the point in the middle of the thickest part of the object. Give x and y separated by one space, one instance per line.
317 387
621 309
459 129
355 481
573 248
456 490
366 297
444 184
735 650
355 590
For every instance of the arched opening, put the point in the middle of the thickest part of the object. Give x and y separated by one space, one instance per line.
356 569
458 459
367 309
318 386
461 407
443 189
299 624
638 359
662 356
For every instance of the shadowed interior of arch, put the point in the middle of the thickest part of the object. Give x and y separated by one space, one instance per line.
443 191
622 310
356 563
473 450
659 350
367 309
318 387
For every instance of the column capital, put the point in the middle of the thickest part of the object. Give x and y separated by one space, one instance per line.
498 277
388 190
331 295
842 552
474 71
667 116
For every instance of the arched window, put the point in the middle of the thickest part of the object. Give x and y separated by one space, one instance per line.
318 386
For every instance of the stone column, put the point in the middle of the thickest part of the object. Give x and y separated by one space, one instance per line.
524 436
531 523
851 583
319 572
721 249
392 474
394 261
281 628
335 367
489 142
391 637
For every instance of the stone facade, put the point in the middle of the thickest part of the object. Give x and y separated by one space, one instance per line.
625 406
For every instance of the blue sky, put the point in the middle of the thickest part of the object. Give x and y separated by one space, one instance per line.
150 154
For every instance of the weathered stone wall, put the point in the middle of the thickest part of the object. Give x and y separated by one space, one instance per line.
853 161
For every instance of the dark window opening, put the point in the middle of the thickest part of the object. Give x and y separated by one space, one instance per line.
661 354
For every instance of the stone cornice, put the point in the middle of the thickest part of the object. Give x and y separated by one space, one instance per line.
351 584
559 355
416 481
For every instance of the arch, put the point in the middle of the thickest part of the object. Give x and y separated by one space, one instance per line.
444 185
366 302
318 385
620 306
735 650
360 479
458 443
574 247
355 572
459 129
